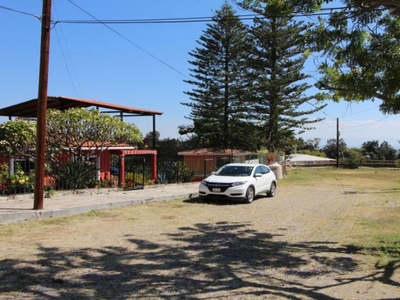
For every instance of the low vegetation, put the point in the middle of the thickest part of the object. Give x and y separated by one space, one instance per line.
375 229
325 226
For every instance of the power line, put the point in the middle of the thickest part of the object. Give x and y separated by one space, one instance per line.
370 123
345 115
128 40
178 20
67 56
65 62
197 19
145 21
151 21
20 12
323 12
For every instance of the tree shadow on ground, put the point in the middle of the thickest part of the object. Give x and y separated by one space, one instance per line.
221 201
204 261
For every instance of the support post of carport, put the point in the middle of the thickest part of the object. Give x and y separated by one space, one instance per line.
121 176
154 164
154 132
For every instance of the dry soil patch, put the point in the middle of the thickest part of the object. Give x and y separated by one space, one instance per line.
297 245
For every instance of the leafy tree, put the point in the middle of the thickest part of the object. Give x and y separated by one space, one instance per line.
277 94
387 152
217 76
150 139
309 147
378 151
18 138
297 5
363 57
169 148
330 149
310 144
371 148
73 131
360 46
78 130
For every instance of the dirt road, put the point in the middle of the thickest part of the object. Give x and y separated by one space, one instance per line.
297 245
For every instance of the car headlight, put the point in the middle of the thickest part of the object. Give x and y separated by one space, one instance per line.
237 183
204 182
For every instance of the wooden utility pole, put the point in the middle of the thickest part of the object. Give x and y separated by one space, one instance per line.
42 106
337 142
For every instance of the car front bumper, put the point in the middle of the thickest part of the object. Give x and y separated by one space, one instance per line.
237 192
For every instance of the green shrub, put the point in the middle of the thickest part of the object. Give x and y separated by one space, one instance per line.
19 182
351 159
397 163
184 175
75 174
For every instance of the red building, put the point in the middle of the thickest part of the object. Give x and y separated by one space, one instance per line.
206 160
28 110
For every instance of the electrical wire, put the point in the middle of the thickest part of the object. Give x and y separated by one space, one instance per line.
20 12
323 12
153 21
129 41
345 115
65 55
179 20
370 123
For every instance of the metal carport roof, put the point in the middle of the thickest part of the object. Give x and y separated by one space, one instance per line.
28 109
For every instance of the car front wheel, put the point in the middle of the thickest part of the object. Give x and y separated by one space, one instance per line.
272 190
249 195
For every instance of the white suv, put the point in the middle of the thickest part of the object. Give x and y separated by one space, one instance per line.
239 181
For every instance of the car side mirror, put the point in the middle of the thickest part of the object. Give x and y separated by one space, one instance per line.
258 175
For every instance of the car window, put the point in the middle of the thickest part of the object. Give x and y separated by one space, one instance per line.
248 170
235 171
258 170
265 169
262 169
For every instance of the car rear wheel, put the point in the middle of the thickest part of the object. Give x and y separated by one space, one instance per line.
272 190
249 195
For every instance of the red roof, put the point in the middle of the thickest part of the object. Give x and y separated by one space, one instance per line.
28 109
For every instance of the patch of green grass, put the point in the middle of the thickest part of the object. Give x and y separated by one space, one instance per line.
378 235
7 230
376 228
305 176
93 214
362 179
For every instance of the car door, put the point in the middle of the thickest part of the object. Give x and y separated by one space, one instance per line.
268 174
261 183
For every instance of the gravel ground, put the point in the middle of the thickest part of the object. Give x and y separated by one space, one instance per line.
296 245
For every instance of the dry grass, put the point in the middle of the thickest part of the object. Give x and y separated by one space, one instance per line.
319 238
360 179
375 226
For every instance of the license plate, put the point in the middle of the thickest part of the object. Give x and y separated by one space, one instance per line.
216 189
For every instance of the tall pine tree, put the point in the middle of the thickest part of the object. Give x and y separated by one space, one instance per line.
217 76
278 103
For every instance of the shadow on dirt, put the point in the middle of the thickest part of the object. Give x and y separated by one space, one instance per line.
222 200
202 261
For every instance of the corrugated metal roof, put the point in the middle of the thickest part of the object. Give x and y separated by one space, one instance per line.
28 109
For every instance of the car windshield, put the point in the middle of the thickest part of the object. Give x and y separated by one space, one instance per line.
235 171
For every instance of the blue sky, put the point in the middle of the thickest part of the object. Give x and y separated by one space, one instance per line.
140 65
